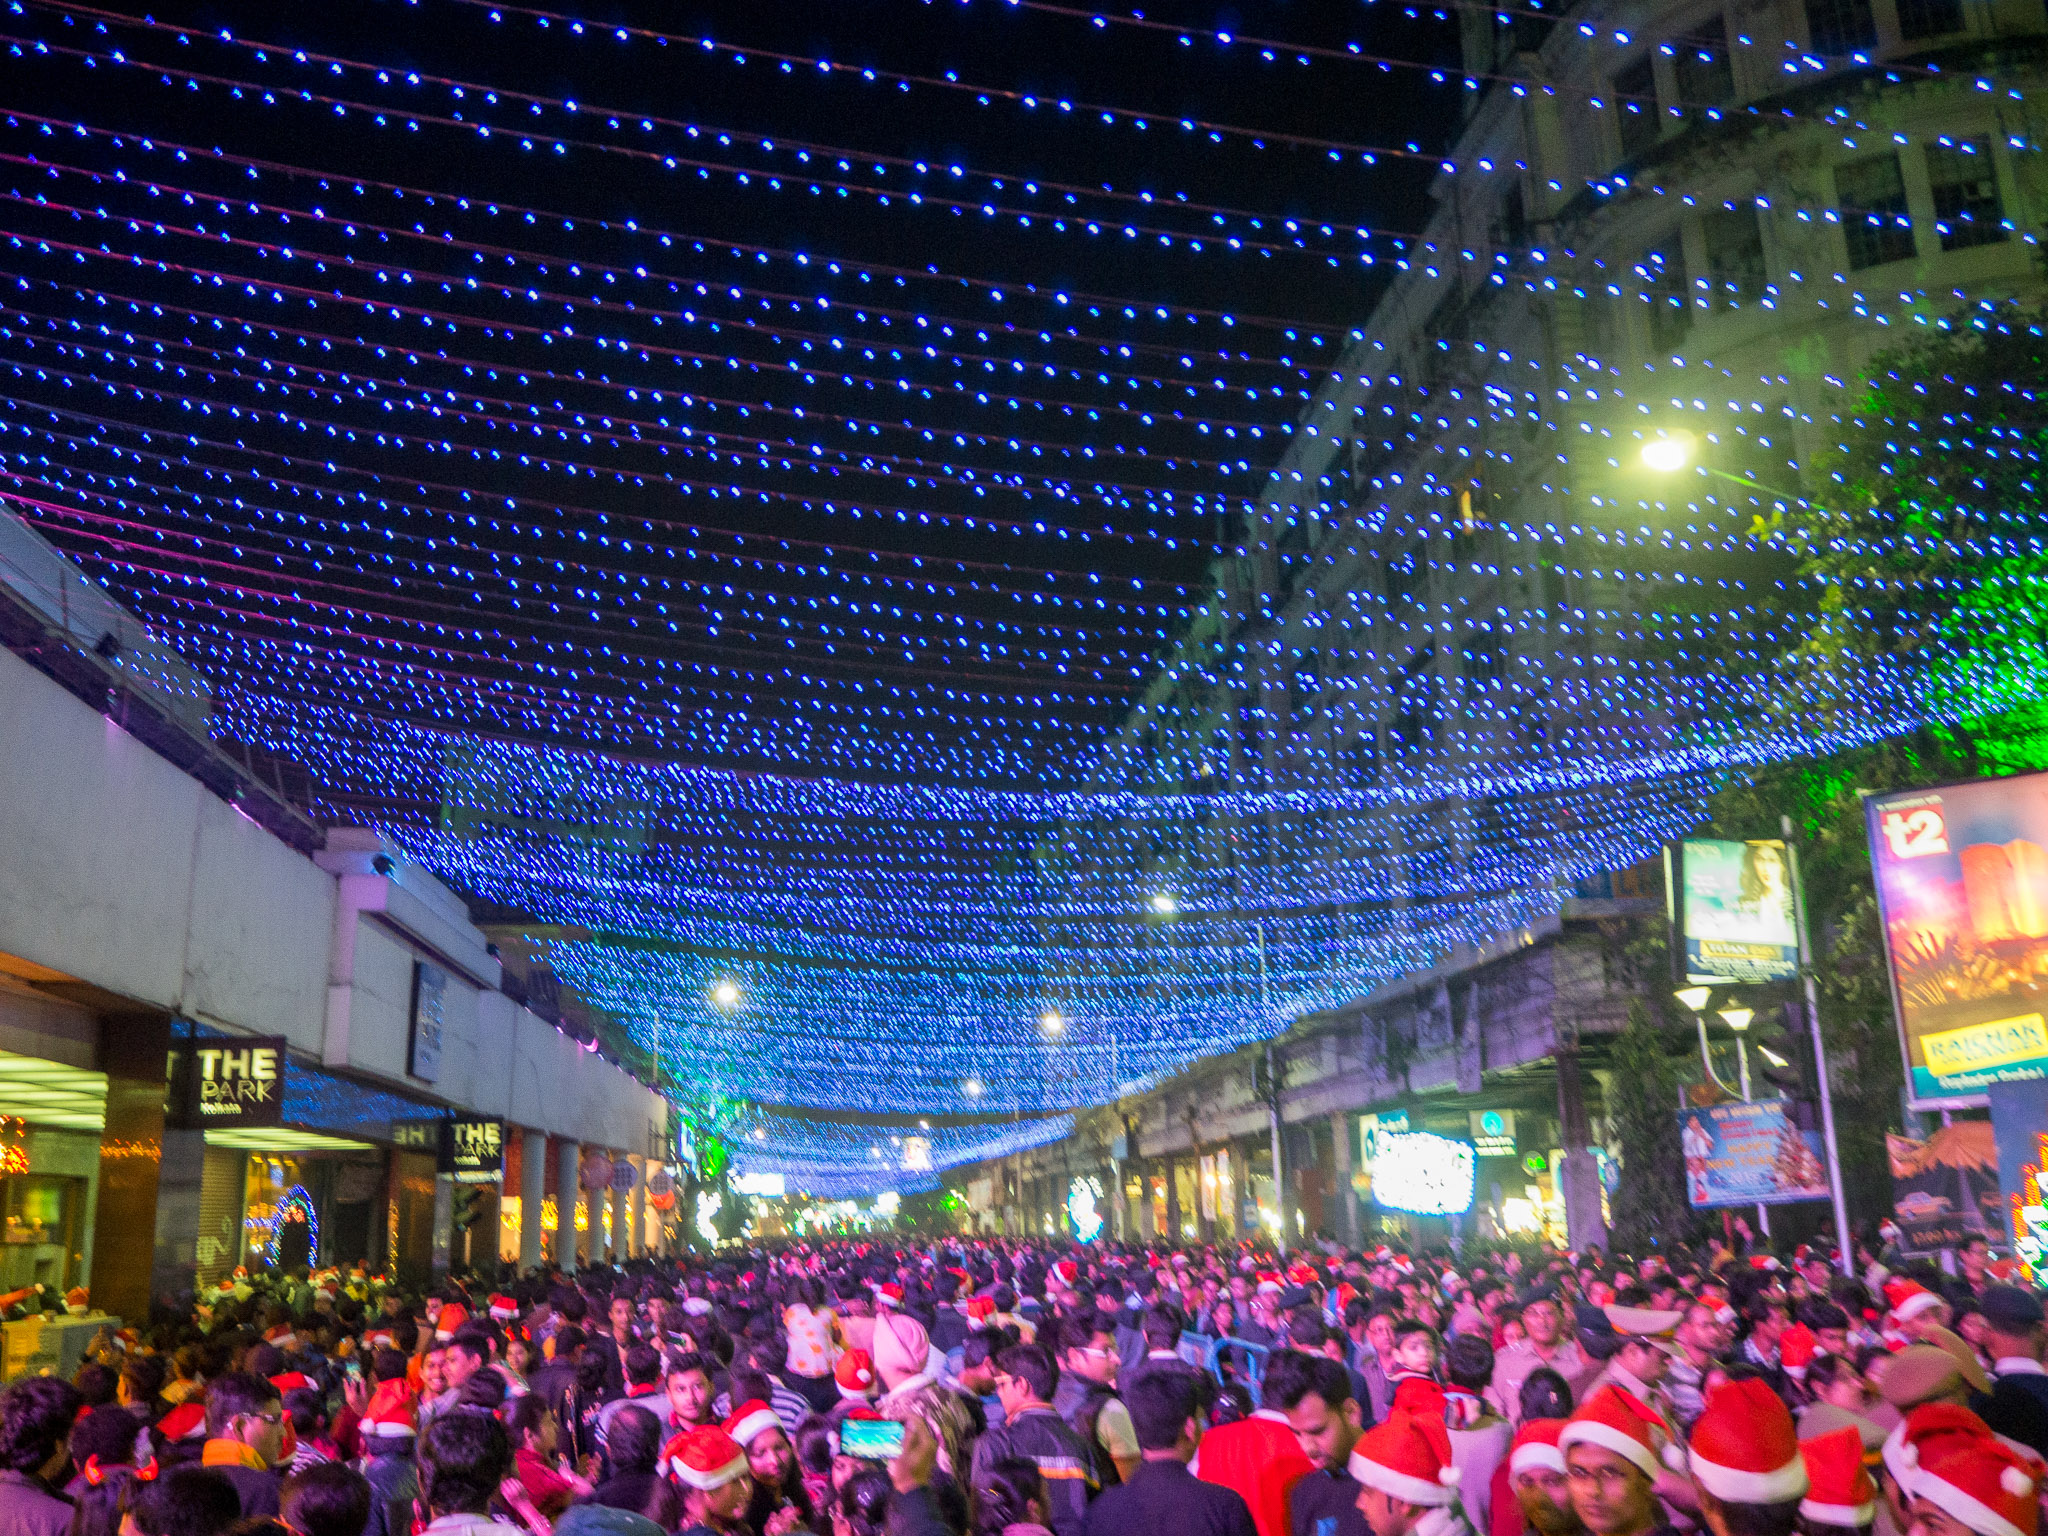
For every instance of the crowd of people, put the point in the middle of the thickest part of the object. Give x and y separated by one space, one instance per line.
1010 1388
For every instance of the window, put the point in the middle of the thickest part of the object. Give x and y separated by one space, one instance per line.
1965 185
1840 27
1635 103
1872 197
1704 72
1735 258
1929 18
1664 290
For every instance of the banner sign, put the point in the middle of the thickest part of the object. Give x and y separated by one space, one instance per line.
2019 1121
1962 888
472 1150
429 998
218 1083
1734 912
1749 1154
1945 1189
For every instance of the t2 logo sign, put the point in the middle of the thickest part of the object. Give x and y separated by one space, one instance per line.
1914 832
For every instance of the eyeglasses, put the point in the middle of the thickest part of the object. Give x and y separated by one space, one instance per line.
268 1418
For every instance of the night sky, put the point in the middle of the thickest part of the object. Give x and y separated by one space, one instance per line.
796 402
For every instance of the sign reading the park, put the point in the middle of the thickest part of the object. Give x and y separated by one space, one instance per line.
473 1150
1749 1154
1734 911
220 1083
1962 888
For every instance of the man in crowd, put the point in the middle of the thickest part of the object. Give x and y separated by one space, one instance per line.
245 1438
1315 1393
1543 1344
1161 1497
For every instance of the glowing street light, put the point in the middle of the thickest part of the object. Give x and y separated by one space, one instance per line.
1669 452
1738 1018
972 1087
1693 999
726 994
1051 1022
1165 903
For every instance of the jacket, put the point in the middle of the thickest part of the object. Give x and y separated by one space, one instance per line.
1164 1499
27 1508
394 1484
1259 1459
1064 1460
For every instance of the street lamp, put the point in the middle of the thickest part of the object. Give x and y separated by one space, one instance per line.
1051 1022
1669 452
972 1087
726 994
1165 903
1738 1020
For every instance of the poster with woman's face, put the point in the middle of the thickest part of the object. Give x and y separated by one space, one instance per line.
1737 912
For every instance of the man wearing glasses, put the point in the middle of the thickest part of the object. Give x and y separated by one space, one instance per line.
1086 1395
245 1438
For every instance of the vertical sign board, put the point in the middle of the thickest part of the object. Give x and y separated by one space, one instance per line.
1734 911
429 997
473 1150
1962 890
223 1083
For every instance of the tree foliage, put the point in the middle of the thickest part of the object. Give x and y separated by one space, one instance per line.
1649 1204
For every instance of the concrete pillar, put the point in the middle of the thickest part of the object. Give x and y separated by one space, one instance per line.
533 1187
444 1222
568 1159
1340 1138
621 1243
132 1255
1173 1221
636 1242
1580 1171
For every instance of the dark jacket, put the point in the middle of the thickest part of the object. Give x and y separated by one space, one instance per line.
1064 1460
394 1484
257 1489
1163 1498
1325 1503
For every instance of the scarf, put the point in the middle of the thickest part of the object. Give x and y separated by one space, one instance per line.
232 1453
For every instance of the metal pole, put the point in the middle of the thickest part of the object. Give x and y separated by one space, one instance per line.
1763 1214
1272 1092
1845 1249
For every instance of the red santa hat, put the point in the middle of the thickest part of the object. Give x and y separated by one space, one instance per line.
187 1421
1616 1420
855 1374
291 1381
705 1458
1744 1449
1535 1447
1408 1457
450 1318
1763 1261
504 1308
1984 1483
751 1419
392 1414
1797 1346
1920 1430
1269 1282
980 1309
1839 1490
890 1295
281 1334
1300 1273
1908 1299
1067 1270
380 1338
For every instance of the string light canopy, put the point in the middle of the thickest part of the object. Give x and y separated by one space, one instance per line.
892 595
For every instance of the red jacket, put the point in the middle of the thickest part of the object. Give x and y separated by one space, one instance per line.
1259 1459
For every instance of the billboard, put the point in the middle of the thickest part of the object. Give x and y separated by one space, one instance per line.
1962 891
1749 1154
1734 911
227 1082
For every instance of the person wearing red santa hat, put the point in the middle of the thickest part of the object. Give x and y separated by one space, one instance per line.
1970 1486
854 1372
1915 1311
1407 1485
711 1469
1925 1428
1745 1462
1614 1449
779 1503
1541 1502
1840 1497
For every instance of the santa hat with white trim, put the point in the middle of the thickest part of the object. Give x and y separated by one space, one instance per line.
854 1375
1839 1490
1984 1483
1919 1430
705 1458
1744 1449
1535 1447
448 1319
751 1419
392 1414
1909 1299
504 1308
1409 1458
1616 1420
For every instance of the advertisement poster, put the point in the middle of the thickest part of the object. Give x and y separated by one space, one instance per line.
2019 1121
1962 886
1735 912
1945 1188
221 1082
1749 1154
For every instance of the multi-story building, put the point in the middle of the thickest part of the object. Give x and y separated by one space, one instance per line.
1476 653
